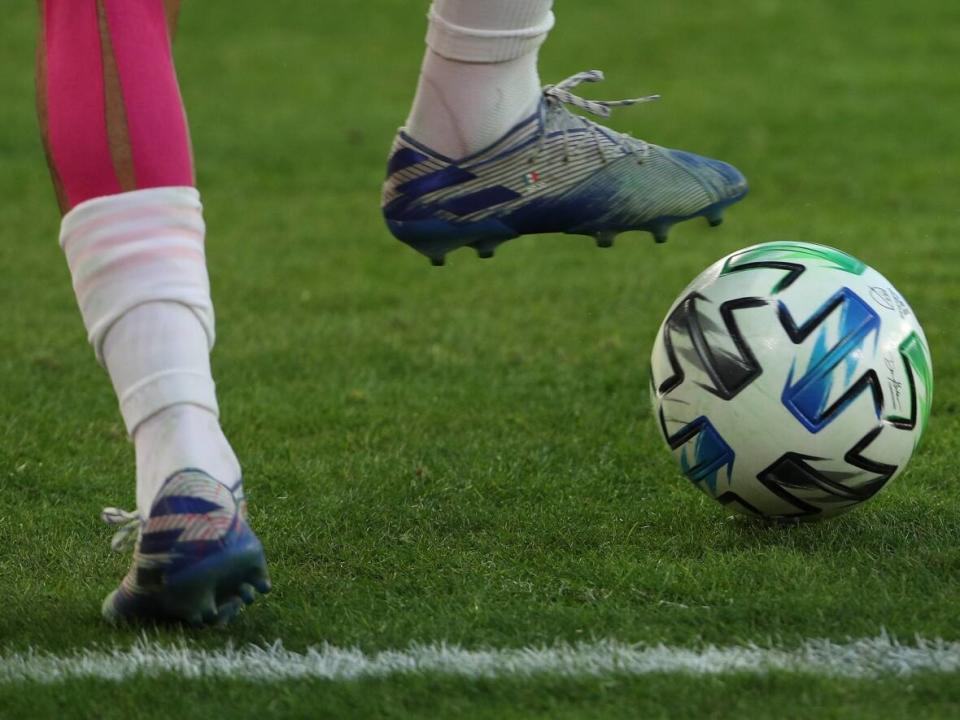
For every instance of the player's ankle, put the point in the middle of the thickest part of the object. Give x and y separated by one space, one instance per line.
479 76
179 437
462 108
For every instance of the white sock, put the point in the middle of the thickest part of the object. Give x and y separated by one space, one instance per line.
139 273
166 340
479 76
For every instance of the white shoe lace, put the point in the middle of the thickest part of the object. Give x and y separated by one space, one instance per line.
128 525
559 95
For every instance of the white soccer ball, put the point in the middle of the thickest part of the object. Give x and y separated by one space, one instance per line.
790 380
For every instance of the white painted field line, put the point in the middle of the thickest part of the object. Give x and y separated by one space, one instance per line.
870 657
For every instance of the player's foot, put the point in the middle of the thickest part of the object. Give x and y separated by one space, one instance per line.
195 560
554 172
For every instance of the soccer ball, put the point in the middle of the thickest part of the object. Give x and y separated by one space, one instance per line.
790 380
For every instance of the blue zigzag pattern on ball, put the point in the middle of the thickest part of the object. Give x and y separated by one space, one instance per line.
807 396
710 453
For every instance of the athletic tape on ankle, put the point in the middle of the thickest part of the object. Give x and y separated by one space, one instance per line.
163 390
480 45
133 248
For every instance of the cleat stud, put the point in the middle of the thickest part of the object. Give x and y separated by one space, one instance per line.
195 620
228 611
659 232
486 247
262 584
247 593
437 261
605 239
714 220
208 613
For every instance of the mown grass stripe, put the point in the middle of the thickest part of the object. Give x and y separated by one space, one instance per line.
863 658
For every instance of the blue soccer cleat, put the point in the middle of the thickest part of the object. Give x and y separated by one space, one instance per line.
195 560
554 172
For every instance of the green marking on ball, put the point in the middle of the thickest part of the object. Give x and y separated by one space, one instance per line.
914 351
787 251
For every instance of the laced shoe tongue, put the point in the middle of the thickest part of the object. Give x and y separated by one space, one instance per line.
558 117
558 101
560 94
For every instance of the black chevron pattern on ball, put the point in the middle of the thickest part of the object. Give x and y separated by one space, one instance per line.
793 271
728 373
791 472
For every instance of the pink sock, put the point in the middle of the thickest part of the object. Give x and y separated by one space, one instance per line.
76 118
133 228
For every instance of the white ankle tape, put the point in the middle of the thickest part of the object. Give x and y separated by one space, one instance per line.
157 357
163 390
483 45
134 248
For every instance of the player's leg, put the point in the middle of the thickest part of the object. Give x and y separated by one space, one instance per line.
133 233
486 155
474 88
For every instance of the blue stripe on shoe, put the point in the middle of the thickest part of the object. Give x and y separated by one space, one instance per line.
183 505
404 158
399 209
158 542
480 200
190 550
447 177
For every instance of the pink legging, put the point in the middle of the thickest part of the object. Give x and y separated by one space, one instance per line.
110 106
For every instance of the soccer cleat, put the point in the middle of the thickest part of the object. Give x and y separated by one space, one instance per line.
553 172
195 560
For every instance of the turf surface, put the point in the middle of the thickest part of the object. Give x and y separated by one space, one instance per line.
466 454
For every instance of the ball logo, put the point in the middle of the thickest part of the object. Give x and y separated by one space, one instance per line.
889 299
882 297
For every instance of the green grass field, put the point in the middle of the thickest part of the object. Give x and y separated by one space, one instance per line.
467 454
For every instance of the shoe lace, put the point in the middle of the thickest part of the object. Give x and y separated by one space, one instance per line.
128 525
558 96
